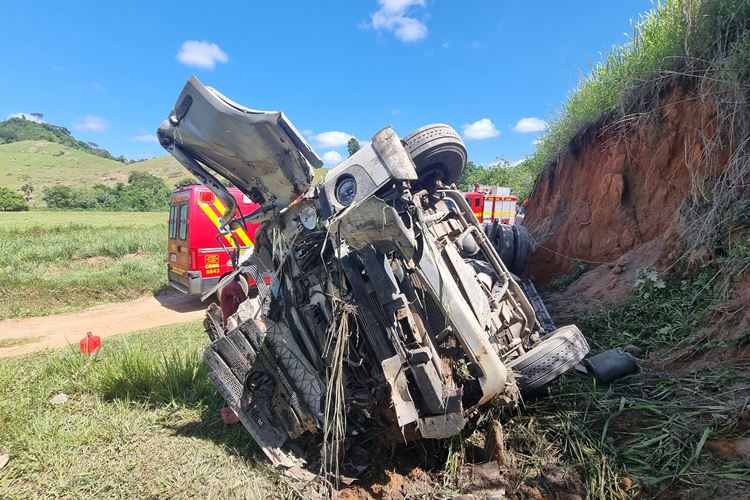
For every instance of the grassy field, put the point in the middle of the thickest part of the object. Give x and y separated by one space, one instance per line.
142 421
43 163
54 262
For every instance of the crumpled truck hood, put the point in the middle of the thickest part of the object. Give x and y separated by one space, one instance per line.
260 152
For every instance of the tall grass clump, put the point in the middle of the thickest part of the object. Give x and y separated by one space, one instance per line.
48 265
689 38
142 421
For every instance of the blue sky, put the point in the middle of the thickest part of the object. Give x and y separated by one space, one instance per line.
494 70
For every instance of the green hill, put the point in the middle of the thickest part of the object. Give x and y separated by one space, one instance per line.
43 163
21 129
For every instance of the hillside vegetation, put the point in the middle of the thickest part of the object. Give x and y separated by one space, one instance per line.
44 164
21 129
703 40
641 216
685 57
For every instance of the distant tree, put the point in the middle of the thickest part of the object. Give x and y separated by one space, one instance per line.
145 180
12 201
519 177
353 146
27 189
186 181
38 116
468 177
92 145
59 197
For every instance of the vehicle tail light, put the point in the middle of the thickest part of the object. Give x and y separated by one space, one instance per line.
206 196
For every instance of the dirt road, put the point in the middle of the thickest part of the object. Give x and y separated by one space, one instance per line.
25 335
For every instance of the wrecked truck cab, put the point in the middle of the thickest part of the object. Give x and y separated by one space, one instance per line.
390 312
259 152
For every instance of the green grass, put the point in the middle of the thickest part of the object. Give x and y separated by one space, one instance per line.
652 427
53 262
43 163
674 39
142 422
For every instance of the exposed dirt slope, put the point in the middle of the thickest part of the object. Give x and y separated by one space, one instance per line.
615 195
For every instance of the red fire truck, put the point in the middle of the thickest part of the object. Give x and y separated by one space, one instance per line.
196 259
490 203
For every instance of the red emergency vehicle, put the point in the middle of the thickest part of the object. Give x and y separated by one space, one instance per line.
491 202
196 260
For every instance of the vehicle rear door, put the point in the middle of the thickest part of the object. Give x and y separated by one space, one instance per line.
178 248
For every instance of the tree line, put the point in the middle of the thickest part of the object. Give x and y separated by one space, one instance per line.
143 192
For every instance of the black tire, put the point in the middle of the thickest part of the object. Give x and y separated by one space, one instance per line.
549 359
511 243
521 249
543 316
437 152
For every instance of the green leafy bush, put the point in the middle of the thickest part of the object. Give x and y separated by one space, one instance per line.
12 201
144 192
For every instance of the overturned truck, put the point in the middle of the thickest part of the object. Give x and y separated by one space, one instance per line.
381 303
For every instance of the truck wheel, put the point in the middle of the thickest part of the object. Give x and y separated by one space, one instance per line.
437 152
511 243
540 310
549 359
521 248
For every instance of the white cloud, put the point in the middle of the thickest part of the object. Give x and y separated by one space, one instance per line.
480 129
98 86
145 138
332 158
201 54
392 17
27 116
90 123
530 124
331 139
